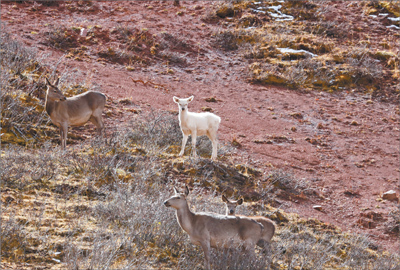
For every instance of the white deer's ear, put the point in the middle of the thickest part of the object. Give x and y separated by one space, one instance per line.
56 83
239 202
224 199
186 190
190 99
176 191
176 100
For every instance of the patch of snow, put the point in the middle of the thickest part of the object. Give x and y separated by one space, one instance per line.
394 19
259 11
56 260
279 16
393 26
373 16
383 14
276 8
288 50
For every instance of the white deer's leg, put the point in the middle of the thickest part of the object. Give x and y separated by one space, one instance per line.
214 141
194 137
184 140
214 149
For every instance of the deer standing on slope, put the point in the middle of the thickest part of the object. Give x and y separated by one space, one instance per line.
197 124
213 230
73 111
269 225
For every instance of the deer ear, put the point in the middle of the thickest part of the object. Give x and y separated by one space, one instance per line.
239 202
190 99
176 100
58 80
186 190
176 191
224 199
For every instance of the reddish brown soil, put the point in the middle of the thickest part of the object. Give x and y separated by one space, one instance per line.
346 145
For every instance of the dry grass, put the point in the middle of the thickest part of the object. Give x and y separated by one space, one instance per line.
326 54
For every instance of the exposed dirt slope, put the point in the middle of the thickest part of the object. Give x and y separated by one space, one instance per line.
344 143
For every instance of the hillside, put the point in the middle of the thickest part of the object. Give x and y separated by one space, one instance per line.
308 96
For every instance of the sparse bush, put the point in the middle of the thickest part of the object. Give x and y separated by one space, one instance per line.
227 40
286 181
21 109
61 37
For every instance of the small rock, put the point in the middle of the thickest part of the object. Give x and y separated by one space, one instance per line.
211 99
390 195
354 123
206 109
317 207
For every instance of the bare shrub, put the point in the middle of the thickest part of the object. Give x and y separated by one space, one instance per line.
62 37
286 181
160 129
13 239
172 42
22 117
226 40
364 68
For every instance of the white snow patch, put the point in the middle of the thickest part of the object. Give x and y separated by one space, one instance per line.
279 16
289 50
393 26
394 19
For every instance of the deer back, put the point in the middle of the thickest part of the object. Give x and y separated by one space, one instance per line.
226 230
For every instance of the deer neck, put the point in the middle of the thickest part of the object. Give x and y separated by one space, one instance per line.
185 218
50 106
183 115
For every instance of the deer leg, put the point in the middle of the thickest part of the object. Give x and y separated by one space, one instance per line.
214 141
267 249
194 137
63 134
206 250
184 140
97 121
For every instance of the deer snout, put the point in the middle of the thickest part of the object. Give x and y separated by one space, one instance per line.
63 99
167 204
183 108
231 212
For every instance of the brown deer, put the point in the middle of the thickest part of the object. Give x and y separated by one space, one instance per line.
73 111
213 230
269 225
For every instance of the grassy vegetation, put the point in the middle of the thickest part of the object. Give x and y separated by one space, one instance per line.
311 50
99 205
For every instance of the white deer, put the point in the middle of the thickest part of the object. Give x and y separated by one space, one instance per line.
197 124
269 225
73 111
213 230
